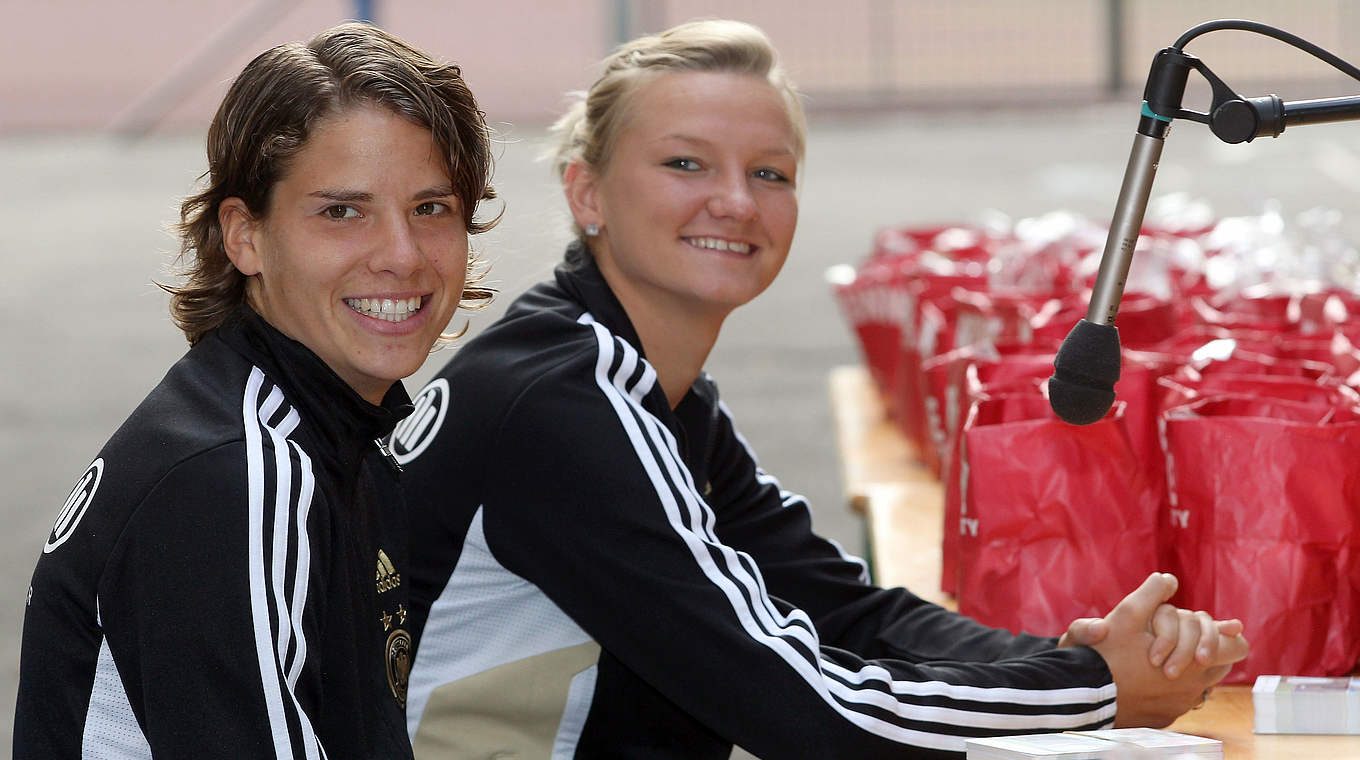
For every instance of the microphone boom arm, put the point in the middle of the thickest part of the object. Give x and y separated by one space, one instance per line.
1231 118
1088 363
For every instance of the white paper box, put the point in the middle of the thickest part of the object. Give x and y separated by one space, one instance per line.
1111 744
1305 705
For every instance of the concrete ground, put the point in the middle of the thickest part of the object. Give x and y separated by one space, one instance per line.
86 333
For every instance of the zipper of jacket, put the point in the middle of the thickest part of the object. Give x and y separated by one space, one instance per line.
387 454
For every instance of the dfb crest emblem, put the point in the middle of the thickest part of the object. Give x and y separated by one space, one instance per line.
399 664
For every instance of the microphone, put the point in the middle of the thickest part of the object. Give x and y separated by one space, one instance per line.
1086 368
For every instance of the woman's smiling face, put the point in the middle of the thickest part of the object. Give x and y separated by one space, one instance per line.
362 254
696 204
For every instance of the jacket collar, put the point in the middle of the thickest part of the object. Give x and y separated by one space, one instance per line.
339 416
580 277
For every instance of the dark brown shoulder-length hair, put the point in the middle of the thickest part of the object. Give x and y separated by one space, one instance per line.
266 118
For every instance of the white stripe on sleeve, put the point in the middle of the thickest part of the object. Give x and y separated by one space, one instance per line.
790 498
270 647
841 688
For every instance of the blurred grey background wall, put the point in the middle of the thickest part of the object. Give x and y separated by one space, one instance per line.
922 111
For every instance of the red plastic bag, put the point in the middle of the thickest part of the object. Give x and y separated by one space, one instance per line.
1265 516
1254 353
1189 339
1002 318
957 379
1184 388
880 311
949 385
1145 321
1333 348
956 242
1304 314
1057 521
933 331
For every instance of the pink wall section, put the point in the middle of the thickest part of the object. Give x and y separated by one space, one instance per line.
68 64
76 65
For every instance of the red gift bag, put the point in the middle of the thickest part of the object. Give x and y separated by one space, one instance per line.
957 379
1272 313
880 311
1305 314
1333 348
952 241
947 386
1189 339
881 300
1265 517
933 332
1186 387
1003 318
1145 321
1057 521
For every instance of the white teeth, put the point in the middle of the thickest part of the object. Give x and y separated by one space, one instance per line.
718 244
387 309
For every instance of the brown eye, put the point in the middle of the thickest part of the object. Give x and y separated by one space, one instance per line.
430 208
341 211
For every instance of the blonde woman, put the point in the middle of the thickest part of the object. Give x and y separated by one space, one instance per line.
600 567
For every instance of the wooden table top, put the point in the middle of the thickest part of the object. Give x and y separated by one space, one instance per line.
902 503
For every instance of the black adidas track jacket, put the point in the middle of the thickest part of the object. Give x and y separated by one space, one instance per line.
209 587
598 575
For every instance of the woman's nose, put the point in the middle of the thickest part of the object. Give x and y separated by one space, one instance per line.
732 199
397 250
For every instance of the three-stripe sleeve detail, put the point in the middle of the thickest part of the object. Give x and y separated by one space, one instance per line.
933 714
280 490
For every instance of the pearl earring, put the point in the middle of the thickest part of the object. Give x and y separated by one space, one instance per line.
592 229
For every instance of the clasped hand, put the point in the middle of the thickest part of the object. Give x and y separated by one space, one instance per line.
1163 659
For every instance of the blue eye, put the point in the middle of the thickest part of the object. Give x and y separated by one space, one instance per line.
771 175
683 164
430 208
341 211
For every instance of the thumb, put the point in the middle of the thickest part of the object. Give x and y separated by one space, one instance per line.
1084 632
1230 628
1144 600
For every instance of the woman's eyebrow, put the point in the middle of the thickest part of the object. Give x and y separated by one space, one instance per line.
782 150
438 191
339 194
362 196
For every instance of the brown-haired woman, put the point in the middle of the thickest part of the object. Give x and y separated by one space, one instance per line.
227 578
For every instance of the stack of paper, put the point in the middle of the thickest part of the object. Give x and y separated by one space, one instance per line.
1111 744
1301 705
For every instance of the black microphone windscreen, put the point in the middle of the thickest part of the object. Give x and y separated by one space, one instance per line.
1084 373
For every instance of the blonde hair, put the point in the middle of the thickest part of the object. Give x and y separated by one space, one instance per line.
589 129
268 115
